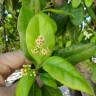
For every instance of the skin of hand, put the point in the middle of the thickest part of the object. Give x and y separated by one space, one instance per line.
9 62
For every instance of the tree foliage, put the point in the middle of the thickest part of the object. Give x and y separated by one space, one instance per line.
56 35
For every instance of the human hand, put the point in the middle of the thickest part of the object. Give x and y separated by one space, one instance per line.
9 62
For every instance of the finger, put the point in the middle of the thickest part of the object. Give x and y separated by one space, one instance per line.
5 70
2 81
13 59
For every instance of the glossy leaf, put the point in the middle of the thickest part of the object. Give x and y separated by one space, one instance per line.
35 90
41 29
26 13
65 73
24 85
75 3
49 91
88 3
48 80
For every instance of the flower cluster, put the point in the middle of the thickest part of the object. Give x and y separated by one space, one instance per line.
40 41
39 48
45 51
25 70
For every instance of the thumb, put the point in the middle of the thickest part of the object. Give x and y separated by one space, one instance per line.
11 61
14 60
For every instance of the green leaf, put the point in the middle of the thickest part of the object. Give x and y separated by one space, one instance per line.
65 73
48 80
56 11
35 90
43 3
41 29
26 13
77 53
78 14
81 56
49 91
93 39
76 3
91 13
61 22
66 8
72 50
88 3
24 85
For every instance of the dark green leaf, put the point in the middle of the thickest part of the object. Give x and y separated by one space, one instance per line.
61 22
41 29
24 85
48 80
49 91
83 55
43 3
91 13
35 90
78 14
66 74
74 49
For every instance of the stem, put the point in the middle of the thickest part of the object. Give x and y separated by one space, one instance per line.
38 80
58 12
37 6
